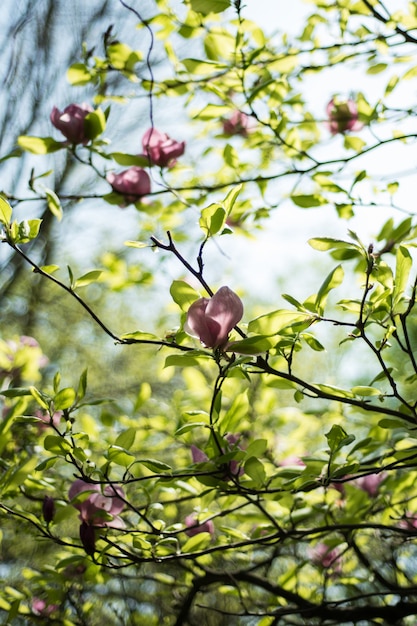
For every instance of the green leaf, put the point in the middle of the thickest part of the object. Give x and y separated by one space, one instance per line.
402 271
5 211
39 145
57 445
361 390
308 201
140 335
64 398
328 243
209 6
212 219
138 160
274 322
88 278
155 466
54 204
82 385
354 143
213 111
337 438
41 398
186 360
333 280
122 57
197 542
183 294
256 471
252 345
94 123
26 230
191 426
118 455
79 74
126 439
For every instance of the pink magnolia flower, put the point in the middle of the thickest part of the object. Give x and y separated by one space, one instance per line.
212 319
237 124
71 122
326 557
100 508
133 183
370 483
194 527
161 149
343 116
40 607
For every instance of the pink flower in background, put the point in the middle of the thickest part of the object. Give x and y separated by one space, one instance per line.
194 527
40 607
45 418
133 183
212 319
326 557
233 467
292 460
237 124
161 149
71 122
343 116
99 505
370 483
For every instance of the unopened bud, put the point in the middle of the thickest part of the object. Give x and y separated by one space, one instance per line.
88 538
48 509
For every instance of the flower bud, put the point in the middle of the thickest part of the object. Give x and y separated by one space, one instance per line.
88 538
133 184
212 319
194 527
71 122
161 149
48 509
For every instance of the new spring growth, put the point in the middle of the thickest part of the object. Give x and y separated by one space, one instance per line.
212 319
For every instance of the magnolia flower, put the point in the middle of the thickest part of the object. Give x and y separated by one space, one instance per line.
132 183
237 124
161 149
343 116
71 122
100 508
326 557
194 527
212 319
40 607
370 483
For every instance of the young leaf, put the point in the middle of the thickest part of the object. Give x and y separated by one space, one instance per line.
334 279
5 211
39 145
183 294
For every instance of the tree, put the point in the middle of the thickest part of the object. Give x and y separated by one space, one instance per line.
242 479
